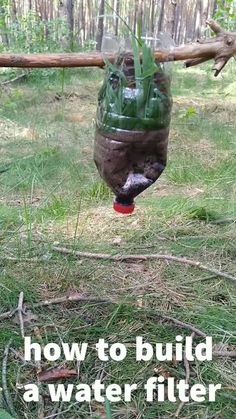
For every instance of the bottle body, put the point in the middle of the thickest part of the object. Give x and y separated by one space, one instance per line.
132 130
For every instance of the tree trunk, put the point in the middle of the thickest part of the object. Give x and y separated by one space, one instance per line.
152 17
172 18
161 17
179 37
177 22
82 21
205 12
135 16
198 18
14 10
117 17
4 34
70 19
100 25
214 7
141 16
51 10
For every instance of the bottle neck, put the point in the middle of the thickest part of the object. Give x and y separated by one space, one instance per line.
124 200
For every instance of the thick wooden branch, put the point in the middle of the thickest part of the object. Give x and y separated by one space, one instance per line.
220 48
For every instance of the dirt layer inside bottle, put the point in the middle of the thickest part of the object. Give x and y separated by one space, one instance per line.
132 129
130 162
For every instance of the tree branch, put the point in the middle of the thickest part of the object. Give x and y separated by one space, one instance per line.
156 256
220 49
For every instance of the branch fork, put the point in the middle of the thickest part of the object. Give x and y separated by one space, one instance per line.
221 48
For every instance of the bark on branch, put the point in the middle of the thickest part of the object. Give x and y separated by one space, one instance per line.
220 48
144 258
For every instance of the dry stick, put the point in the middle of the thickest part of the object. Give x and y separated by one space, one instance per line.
229 396
224 354
84 299
1 398
187 378
6 393
56 411
8 314
20 314
65 299
18 355
127 258
38 367
221 49
78 298
183 325
41 399
23 260
177 322
59 300
20 77
74 298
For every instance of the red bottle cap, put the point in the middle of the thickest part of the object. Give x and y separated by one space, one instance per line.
123 209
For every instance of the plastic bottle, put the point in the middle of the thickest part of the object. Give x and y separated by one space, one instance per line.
132 129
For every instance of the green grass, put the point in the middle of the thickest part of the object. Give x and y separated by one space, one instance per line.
51 192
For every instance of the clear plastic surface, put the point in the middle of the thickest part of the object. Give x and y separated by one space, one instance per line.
133 119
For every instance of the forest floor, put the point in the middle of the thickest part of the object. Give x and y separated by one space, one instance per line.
51 195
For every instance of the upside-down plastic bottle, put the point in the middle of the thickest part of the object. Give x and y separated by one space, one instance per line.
132 129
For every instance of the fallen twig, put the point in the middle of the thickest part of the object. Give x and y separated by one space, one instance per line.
59 300
152 313
224 221
183 325
8 314
6 393
80 298
23 260
68 298
57 411
224 354
21 358
38 367
127 258
20 314
77 298
17 78
187 378
1 398
229 396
